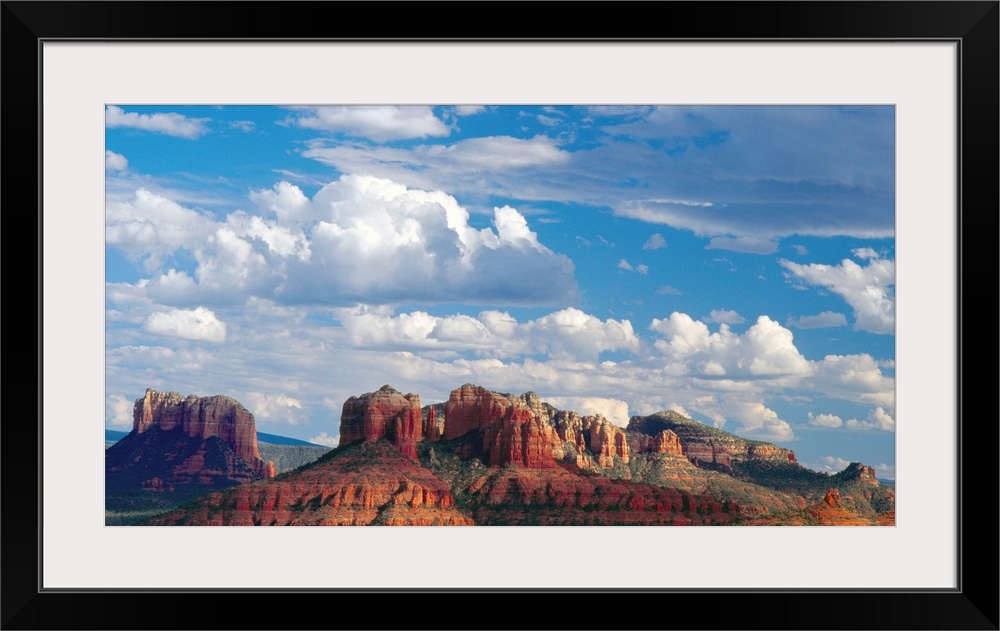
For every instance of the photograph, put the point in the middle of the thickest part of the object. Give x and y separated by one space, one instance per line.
584 291
500 315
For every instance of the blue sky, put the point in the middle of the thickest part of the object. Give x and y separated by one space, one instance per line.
732 263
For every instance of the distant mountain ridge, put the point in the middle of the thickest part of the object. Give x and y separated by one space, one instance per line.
113 436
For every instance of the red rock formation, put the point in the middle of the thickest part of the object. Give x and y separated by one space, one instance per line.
542 411
569 426
385 413
202 418
701 443
511 432
371 484
559 497
860 472
666 442
473 407
606 440
518 438
433 431
758 451
709 450
832 497
831 512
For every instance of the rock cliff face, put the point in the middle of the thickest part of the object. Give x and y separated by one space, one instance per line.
385 413
542 411
606 440
664 442
202 417
518 438
511 433
433 431
704 444
186 442
368 484
529 432
473 407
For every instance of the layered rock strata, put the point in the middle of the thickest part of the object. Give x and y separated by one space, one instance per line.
202 417
385 413
180 442
703 444
511 433
368 484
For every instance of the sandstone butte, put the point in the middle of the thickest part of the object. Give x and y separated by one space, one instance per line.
525 431
375 477
178 440
531 478
528 432
385 413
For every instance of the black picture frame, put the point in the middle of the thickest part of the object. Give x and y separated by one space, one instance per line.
973 605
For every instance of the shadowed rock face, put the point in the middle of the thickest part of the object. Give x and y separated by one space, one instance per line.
385 413
179 441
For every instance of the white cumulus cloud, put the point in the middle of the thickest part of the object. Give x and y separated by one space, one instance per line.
191 324
326 440
274 408
286 201
115 162
169 123
118 411
765 349
615 410
755 419
869 289
150 225
825 420
359 240
877 419
376 122
655 242
855 378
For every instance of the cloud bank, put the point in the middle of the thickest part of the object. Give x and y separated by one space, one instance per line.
359 240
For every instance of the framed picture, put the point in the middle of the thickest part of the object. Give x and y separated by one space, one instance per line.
933 73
